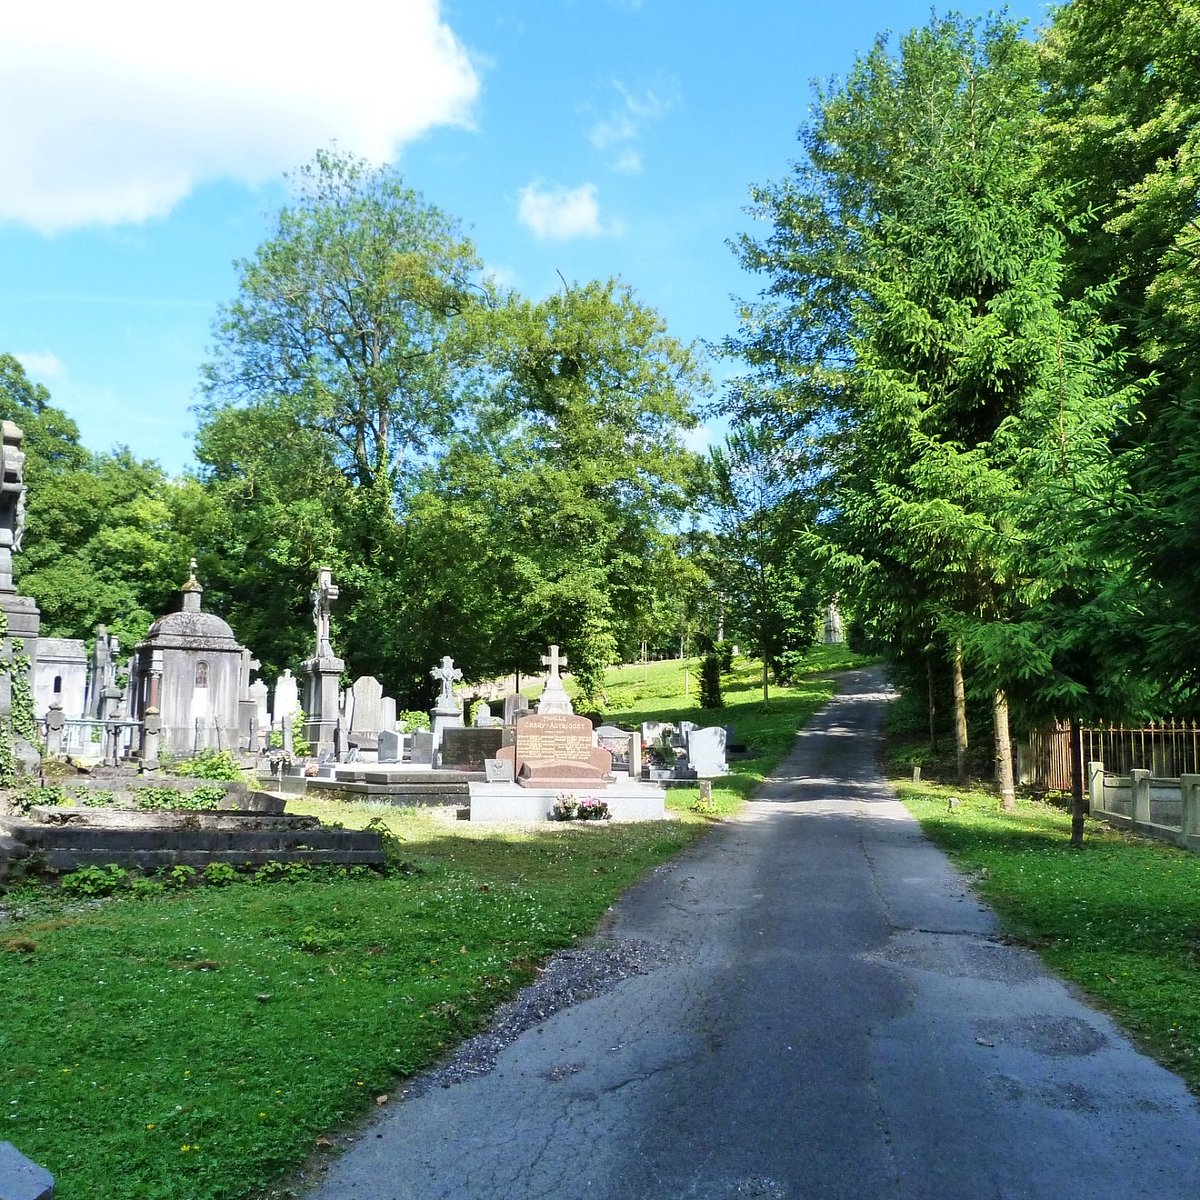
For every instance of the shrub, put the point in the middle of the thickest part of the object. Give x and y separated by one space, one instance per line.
219 874
710 682
209 764
95 881
412 719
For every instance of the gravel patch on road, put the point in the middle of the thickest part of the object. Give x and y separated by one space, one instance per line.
570 977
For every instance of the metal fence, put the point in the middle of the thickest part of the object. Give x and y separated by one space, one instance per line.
1167 750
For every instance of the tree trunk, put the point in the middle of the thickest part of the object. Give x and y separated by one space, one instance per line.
932 690
766 683
1004 761
960 714
1078 796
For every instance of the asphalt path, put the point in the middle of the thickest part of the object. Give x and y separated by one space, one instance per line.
828 1014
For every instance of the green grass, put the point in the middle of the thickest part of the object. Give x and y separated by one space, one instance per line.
1118 918
198 1043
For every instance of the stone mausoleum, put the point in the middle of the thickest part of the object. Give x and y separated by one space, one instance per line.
189 667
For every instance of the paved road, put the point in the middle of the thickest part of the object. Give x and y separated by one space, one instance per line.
829 1018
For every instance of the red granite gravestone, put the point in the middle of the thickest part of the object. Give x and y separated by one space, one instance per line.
554 750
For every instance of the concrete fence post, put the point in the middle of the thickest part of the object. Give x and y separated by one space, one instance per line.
1097 800
1140 808
1189 795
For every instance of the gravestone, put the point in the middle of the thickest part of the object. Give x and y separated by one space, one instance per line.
387 713
389 746
467 749
515 705
287 698
706 752
447 712
498 770
651 732
422 747
555 750
259 693
616 741
368 700
483 716
323 671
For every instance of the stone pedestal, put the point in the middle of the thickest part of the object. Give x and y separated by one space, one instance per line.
322 678
447 715
24 622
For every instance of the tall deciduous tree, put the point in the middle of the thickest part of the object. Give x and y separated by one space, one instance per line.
345 319
553 514
761 509
335 379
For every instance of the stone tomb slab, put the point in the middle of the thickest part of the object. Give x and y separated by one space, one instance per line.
555 750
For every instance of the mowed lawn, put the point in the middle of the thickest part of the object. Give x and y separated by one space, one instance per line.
1119 918
188 1043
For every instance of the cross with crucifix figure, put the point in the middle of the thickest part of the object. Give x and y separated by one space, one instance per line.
447 674
323 596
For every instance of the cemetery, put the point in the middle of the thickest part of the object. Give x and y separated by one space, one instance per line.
104 749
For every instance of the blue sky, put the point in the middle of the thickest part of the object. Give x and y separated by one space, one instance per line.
587 138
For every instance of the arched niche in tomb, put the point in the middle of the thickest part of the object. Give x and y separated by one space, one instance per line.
189 667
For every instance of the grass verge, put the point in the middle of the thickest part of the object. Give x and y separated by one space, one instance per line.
1118 918
198 1043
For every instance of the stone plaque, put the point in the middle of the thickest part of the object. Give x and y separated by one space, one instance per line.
554 737
466 749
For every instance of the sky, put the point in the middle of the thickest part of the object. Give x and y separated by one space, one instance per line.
145 148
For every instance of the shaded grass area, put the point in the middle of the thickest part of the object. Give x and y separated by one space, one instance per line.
1120 918
199 1043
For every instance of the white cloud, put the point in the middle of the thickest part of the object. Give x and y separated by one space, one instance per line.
41 365
628 161
114 112
620 129
557 214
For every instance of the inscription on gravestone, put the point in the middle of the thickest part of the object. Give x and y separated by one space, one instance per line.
556 750
466 749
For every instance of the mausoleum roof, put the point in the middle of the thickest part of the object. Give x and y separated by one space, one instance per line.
191 631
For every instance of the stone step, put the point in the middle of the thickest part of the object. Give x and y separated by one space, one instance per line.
92 837
67 859
128 818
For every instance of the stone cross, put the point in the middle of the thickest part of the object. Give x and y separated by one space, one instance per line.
323 596
250 664
446 674
554 698
554 661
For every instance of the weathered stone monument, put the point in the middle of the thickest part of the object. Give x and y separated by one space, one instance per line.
447 712
833 624
23 618
322 672
61 676
188 669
